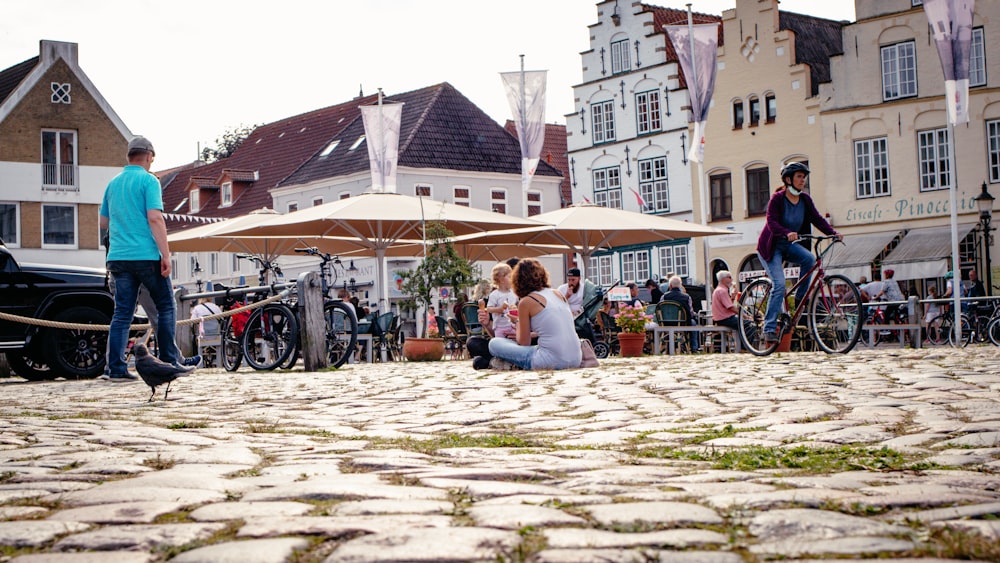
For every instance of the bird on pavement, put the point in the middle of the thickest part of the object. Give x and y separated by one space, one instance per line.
156 372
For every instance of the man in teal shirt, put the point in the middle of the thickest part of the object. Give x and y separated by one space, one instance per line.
138 255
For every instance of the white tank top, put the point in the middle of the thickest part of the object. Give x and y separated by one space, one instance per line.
558 344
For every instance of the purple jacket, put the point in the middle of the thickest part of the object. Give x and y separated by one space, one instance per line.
774 230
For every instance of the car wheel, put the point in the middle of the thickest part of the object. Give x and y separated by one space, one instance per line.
75 352
30 369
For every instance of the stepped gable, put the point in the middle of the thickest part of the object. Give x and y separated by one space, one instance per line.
440 129
671 16
269 155
816 40
11 77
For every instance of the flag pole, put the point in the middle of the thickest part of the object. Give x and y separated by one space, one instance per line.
701 166
381 144
524 131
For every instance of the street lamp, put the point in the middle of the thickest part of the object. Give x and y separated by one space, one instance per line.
984 201
197 275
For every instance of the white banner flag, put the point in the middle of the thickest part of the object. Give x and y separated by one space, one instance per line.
526 96
697 60
382 136
951 23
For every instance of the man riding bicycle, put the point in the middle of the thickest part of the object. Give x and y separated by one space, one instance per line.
790 213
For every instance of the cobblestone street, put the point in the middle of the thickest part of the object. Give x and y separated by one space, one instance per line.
716 458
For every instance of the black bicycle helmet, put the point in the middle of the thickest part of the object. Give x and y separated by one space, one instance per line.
791 168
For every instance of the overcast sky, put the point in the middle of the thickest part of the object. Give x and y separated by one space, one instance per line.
182 72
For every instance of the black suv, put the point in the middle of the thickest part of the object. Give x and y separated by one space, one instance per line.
58 293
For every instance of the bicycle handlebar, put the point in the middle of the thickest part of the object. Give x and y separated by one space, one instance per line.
324 256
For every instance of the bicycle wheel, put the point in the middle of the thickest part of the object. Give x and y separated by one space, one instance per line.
231 348
341 332
993 330
966 334
939 329
753 306
836 315
270 335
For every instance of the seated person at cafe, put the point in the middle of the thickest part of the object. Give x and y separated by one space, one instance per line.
675 293
654 291
724 311
634 301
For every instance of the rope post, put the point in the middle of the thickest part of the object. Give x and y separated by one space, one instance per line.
313 325
913 317
184 335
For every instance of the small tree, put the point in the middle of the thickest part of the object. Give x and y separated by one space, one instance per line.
441 267
227 144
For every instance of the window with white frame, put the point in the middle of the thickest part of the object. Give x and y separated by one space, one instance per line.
213 264
608 187
194 200
758 190
977 58
422 190
754 111
738 114
292 206
173 269
344 195
871 168
227 194
620 61
599 270
647 107
653 184
534 202
58 226
498 200
674 260
771 107
59 159
721 186
899 71
193 264
602 115
317 201
235 264
932 153
993 147
460 195
635 265
916 2
9 219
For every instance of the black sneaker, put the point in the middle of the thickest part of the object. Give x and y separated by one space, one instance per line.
770 337
192 361
480 362
120 377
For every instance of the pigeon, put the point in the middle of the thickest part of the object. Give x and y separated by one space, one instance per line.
156 372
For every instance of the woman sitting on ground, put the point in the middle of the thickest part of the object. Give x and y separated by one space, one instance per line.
544 312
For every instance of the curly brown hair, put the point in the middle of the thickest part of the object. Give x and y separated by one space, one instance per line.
529 275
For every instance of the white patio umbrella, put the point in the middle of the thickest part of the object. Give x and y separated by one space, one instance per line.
585 229
377 221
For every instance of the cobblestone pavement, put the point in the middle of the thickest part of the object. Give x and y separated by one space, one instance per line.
717 458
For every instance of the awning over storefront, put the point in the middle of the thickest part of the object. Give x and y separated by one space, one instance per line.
854 258
924 253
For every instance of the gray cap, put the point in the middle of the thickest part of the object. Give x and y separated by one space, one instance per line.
140 144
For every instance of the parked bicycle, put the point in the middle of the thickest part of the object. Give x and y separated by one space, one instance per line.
831 307
979 324
271 333
340 317
878 314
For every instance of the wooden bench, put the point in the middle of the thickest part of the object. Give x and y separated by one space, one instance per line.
671 331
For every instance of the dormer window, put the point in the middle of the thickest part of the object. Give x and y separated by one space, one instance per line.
227 194
329 149
195 200
357 143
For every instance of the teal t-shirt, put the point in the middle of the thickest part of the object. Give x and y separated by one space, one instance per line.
128 196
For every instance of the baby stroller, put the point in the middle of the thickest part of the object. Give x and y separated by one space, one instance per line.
593 298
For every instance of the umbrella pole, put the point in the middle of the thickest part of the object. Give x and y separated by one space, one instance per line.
383 282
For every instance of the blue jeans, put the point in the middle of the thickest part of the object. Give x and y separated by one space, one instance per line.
510 350
128 276
794 254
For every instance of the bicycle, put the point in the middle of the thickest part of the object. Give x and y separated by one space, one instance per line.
341 319
835 313
978 325
877 314
271 334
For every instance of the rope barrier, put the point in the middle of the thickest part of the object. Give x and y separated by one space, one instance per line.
146 326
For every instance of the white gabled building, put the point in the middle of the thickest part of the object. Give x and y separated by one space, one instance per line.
628 140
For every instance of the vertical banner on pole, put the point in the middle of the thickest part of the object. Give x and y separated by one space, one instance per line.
382 136
951 24
696 47
526 96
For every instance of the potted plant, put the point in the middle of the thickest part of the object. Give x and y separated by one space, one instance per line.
632 321
442 266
